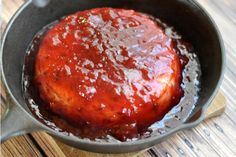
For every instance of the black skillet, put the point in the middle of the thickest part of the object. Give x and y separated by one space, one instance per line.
186 16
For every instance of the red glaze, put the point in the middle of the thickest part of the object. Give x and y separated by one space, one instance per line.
111 70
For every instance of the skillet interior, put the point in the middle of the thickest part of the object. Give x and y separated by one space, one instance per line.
185 16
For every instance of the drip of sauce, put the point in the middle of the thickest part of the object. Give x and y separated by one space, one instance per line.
105 73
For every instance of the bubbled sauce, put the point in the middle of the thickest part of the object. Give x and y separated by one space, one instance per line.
114 65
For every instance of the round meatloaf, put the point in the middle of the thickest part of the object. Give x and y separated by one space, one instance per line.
112 71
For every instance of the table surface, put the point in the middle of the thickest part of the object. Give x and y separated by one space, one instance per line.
214 137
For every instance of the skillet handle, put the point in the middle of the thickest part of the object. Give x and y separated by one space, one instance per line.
214 108
195 119
15 121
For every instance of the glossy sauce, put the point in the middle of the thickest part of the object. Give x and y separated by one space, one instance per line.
106 72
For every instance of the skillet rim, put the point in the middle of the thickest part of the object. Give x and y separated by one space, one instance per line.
141 142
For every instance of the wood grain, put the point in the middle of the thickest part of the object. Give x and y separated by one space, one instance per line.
48 145
213 137
20 146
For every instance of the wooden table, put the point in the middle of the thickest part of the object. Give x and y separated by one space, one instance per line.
213 137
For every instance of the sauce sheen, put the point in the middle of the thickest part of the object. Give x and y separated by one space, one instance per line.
106 72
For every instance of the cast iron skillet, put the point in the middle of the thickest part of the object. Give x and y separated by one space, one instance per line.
185 15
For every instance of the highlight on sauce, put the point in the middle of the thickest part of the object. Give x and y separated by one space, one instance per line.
110 73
